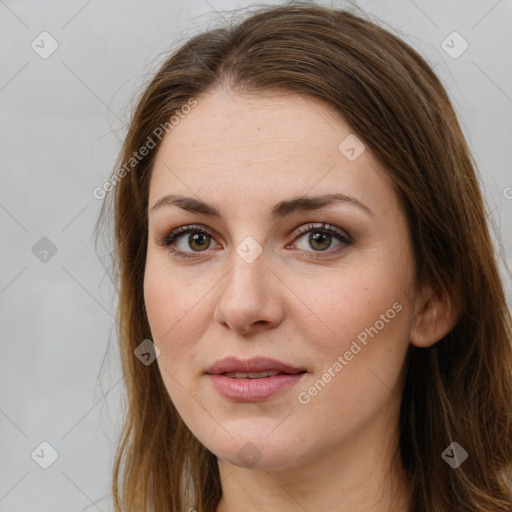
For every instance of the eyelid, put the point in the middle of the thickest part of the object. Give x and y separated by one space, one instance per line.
329 228
168 238
344 237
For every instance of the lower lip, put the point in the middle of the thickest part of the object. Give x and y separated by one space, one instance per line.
253 390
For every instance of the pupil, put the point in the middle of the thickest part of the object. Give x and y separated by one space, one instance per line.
198 238
317 238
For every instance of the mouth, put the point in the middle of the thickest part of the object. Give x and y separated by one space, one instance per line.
251 375
254 379
253 368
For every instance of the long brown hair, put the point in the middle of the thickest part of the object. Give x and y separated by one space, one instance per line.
459 389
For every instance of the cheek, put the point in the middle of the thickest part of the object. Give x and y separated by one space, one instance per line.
359 340
172 305
174 320
179 310
344 303
362 315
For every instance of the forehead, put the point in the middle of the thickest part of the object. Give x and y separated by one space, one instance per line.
236 125
241 143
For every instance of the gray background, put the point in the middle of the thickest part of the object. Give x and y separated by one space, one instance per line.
62 123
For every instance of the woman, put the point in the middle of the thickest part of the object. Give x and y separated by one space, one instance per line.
310 312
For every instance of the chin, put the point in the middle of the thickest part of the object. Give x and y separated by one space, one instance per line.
256 452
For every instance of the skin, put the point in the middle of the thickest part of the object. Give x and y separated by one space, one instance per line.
245 153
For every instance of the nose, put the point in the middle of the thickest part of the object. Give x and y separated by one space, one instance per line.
250 299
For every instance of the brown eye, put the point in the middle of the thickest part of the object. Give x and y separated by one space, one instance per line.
187 240
190 241
319 241
321 237
198 241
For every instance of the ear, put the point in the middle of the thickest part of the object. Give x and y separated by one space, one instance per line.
434 317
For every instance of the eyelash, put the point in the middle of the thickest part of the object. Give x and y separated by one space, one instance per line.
169 239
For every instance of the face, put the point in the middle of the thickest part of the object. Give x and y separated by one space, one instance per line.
317 294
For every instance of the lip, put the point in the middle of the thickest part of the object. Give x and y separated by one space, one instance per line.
253 390
255 364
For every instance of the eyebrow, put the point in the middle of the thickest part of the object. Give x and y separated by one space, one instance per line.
281 209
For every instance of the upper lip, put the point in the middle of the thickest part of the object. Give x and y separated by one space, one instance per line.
255 364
